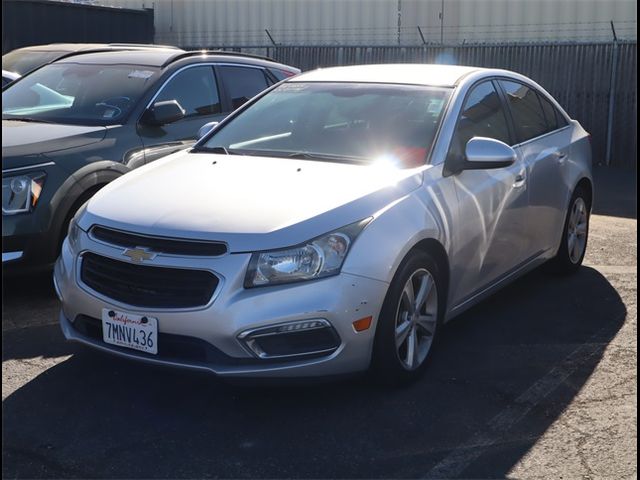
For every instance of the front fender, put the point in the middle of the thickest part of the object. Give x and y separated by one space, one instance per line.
393 232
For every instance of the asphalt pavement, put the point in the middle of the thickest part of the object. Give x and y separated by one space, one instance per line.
538 381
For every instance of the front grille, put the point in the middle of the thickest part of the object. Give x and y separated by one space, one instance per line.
147 286
173 246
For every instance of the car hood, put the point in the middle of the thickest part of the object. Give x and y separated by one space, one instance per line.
23 142
251 203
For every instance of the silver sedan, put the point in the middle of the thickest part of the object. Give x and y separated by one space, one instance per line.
331 225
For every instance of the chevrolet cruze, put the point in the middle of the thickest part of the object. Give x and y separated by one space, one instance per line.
331 225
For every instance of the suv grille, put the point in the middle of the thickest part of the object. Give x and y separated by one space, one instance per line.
173 246
147 286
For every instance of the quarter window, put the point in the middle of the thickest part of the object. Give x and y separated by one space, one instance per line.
525 106
243 83
482 116
195 90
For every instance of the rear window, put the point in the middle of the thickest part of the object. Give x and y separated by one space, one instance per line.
281 74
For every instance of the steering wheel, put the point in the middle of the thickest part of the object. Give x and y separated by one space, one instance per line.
115 103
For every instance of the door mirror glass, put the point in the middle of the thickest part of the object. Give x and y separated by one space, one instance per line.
162 113
483 153
206 128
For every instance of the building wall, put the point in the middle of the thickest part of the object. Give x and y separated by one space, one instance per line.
201 23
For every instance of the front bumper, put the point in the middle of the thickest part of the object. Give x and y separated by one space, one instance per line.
24 244
213 330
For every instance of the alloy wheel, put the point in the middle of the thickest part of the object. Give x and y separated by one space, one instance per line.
416 319
577 230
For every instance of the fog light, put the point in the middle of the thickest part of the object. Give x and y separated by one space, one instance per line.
303 337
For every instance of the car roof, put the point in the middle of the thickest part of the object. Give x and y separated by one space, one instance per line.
400 73
160 58
151 58
79 47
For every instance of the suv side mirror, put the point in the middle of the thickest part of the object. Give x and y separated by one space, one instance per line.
162 113
206 128
483 153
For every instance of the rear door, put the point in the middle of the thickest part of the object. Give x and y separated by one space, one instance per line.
197 90
544 139
242 82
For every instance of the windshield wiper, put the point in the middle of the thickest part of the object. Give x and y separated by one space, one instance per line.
326 156
27 119
204 149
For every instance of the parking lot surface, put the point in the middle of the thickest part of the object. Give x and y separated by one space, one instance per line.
538 381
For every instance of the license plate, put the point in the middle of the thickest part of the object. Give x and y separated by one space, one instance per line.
129 330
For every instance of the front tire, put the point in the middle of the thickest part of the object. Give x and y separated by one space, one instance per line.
409 320
575 235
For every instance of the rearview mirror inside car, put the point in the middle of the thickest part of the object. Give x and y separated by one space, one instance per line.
162 113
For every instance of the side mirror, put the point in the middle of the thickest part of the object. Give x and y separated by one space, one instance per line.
483 153
162 113
206 128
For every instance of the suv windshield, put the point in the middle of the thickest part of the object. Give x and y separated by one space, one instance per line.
354 122
23 61
77 94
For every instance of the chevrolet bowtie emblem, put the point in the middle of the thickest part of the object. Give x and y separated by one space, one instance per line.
139 254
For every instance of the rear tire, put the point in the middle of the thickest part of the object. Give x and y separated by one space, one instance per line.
575 235
409 320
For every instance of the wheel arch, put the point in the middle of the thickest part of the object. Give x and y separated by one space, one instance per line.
434 248
587 184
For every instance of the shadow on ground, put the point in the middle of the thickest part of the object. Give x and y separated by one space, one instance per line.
98 416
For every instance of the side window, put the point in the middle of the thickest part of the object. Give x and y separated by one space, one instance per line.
195 90
549 113
526 109
243 83
482 116
555 119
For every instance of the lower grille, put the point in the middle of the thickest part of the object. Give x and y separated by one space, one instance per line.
147 286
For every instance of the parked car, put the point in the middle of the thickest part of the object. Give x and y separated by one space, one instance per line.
26 59
74 125
8 77
331 224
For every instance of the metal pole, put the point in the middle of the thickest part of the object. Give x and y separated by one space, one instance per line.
442 23
399 20
424 42
612 95
270 37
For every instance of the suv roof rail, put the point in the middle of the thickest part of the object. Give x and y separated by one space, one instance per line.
215 52
144 45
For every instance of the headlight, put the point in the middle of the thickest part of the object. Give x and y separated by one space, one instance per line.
73 233
317 258
20 193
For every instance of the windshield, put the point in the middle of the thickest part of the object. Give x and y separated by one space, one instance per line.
357 122
77 94
23 61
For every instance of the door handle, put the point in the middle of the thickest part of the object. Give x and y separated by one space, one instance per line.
519 180
561 157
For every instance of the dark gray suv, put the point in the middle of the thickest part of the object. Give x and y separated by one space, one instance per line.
74 125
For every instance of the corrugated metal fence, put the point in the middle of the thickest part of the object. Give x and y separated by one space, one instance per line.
579 76
37 22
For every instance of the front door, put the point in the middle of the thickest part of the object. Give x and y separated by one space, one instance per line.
491 236
196 90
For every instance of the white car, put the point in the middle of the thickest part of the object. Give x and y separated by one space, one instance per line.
331 225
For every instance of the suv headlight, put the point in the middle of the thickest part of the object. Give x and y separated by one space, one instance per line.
21 193
318 258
